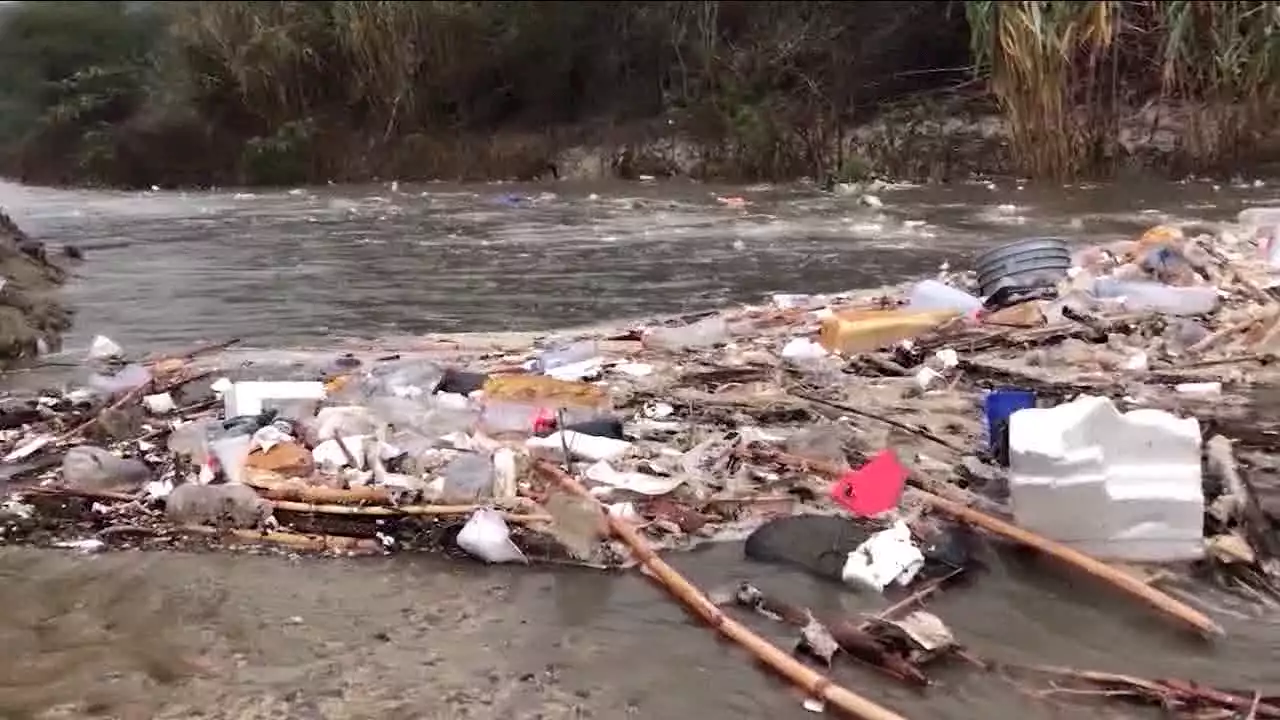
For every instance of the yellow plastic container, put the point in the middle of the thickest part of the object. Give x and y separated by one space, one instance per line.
544 391
859 331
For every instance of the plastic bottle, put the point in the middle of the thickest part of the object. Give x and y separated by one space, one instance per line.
1140 295
934 295
565 354
702 334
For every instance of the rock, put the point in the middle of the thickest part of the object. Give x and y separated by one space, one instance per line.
15 413
30 320
230 505
1231 549
285 458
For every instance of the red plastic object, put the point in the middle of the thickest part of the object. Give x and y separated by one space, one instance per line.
872 488
544 421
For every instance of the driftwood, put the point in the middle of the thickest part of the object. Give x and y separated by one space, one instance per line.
276 487
856 640
1241 497
879 418
1169 694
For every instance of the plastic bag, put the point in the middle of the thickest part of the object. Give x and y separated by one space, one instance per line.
409 379
486 537
104 348
232 452
469 477
129 377
87 467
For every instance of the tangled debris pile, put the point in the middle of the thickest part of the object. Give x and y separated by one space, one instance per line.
862 436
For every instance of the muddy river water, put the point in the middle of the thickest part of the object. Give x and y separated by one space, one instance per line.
240 636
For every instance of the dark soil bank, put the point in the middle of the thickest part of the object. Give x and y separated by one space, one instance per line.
31 317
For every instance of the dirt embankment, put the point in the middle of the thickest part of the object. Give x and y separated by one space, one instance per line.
32 319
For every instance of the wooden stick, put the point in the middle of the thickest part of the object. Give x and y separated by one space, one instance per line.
1154 597
128 397
103 495
814 683
915 598
1215 337
271 486
855 640
399 511
887 421
193 352
314 543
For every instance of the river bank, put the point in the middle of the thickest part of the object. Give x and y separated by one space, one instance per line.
32 316
952 138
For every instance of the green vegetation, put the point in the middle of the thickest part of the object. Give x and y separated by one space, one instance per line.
129 93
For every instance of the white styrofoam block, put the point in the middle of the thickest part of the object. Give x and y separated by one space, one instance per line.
1119 486
250 398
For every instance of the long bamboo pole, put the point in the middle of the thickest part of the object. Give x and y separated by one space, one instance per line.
811 681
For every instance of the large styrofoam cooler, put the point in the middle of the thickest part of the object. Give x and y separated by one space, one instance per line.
1119 486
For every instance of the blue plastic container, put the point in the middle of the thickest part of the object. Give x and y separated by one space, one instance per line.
999 405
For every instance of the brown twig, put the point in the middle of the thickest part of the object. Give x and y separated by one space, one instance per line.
399 511
919 596
194 352
1162 691
80 429
102 495
312 543
879 418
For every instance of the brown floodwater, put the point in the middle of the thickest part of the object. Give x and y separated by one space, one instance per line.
189 635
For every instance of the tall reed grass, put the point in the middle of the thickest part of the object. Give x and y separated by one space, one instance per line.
1066 73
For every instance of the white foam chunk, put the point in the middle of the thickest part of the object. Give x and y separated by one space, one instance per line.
1119 486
